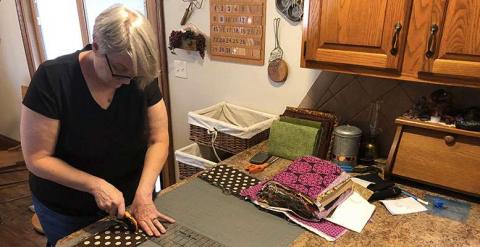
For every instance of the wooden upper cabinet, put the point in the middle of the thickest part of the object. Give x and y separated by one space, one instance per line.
368 33
457 52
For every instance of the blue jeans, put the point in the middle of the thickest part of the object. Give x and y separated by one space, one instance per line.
56 226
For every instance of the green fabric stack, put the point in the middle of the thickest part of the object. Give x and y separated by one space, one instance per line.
293 137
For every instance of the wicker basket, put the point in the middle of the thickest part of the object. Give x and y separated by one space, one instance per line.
225 142
193 159
231 128
329 122
186 170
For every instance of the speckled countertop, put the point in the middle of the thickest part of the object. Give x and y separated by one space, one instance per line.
419 229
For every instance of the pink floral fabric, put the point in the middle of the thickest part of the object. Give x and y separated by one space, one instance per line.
311 176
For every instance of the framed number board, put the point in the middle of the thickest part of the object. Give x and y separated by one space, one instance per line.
237 31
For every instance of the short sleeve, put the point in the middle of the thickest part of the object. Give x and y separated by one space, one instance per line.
152 93
40 96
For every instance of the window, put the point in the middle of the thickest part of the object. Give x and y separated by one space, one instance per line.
51 28
60 30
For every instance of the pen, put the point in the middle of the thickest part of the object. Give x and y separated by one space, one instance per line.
414 197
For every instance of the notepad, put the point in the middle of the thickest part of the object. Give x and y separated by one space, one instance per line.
406 205
353 213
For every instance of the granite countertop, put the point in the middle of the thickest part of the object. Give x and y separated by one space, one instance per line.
384 229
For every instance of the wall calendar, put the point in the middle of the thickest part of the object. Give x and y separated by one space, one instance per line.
237 30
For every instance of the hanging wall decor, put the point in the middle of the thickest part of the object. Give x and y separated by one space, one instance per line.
193 4
277 67
291 9
189 38
237 29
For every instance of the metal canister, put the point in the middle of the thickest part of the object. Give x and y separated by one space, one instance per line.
346 143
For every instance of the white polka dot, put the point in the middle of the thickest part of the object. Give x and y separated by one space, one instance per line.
140 230
128 237
128 243
107 237
117 226
138 242
117 237
127 232
234 171
86 242
118 243
107 232
137 237
117 232
108 243
97 243
97 237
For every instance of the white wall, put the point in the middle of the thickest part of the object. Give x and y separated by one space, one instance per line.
13 69
210 82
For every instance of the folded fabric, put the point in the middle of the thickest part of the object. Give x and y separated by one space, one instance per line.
290 141
313 177
230 180
322 227
309 123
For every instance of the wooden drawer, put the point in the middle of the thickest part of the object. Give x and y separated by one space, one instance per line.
424 155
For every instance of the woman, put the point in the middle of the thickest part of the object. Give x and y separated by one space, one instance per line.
94 129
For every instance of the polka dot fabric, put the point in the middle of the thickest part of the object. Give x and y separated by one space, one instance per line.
230 180
117 236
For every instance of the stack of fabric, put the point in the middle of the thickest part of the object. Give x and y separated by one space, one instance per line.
309 192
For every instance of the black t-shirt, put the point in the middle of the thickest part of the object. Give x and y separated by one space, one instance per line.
110 144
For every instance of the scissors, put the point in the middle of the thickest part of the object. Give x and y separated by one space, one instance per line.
252 169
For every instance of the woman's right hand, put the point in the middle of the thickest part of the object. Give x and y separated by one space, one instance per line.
109 198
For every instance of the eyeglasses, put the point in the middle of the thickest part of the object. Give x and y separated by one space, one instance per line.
116 75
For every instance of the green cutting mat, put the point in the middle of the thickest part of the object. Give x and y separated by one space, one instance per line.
225 219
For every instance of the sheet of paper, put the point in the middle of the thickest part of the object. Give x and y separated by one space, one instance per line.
353 213
406 205
362 182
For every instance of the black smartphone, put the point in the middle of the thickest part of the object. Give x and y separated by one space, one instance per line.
260 158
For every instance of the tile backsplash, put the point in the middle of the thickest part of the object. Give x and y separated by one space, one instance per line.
350 97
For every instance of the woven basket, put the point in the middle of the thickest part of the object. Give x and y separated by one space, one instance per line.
225 142
193 159
186 170
329 122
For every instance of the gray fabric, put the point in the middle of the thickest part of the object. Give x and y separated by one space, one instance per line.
226 219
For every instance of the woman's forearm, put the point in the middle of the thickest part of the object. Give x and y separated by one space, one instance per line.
155 158
60 172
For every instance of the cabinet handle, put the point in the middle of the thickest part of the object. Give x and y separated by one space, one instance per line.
449 140
432 41
396 36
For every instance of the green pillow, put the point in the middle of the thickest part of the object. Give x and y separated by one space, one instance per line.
290 141
305 122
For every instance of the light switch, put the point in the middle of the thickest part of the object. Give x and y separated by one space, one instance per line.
180 68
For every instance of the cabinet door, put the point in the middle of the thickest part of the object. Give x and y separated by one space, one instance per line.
459 46
367 33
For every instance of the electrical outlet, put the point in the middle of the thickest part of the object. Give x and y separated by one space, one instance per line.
180 68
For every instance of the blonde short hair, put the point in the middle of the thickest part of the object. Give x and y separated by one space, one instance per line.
121 29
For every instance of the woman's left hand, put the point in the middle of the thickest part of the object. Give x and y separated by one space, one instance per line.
148 217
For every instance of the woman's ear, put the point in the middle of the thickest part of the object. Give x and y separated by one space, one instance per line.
95 46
